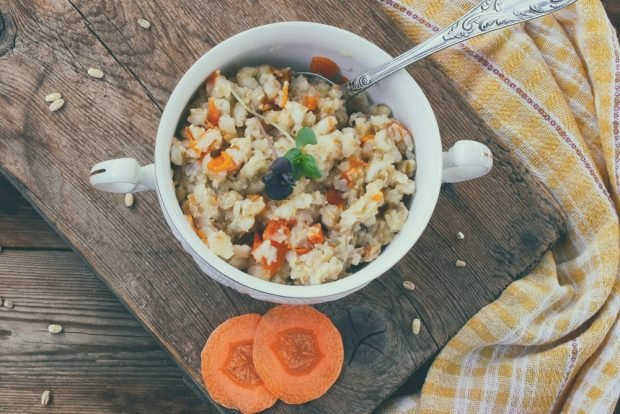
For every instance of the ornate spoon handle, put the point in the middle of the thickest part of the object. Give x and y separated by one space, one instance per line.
487 16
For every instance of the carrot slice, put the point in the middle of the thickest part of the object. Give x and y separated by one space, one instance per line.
213 112
298 353
228 369
325 67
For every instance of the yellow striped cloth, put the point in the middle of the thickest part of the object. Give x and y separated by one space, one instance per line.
551 90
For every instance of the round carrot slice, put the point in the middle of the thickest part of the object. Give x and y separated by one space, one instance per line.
298 353
228 370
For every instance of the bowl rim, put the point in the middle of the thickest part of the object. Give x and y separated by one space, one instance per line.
179 98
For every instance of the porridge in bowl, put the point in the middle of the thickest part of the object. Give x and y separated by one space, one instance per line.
278 180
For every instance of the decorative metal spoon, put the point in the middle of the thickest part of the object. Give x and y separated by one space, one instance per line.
487 16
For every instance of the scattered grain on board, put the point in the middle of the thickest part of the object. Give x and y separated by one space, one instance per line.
409 285
45 398
8 304
128 200
143 23
415 326
56 105
460 263
460 235
53 97
95 73
54 328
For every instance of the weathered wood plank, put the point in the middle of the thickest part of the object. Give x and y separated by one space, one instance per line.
102 362
508 217
21 226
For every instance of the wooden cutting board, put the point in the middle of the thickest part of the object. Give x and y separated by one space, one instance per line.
508 218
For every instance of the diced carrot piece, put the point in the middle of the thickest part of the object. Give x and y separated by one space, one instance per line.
213 112
212 77
333 197
315 234
222 162
277 230
192 141
298 353
311 102
284 94
324 67
258 240
227 366
366 138
303 250
273 267
356 162
378 196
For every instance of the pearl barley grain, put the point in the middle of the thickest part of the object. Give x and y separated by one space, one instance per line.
408 285
53 97
460 263
45 398
95 73
57 104
415 326
460 235
128 200
143 23
54 328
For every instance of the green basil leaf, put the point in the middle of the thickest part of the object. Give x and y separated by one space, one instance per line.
304 137
310 168
292 155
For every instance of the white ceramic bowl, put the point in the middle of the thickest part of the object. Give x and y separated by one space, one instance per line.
294 44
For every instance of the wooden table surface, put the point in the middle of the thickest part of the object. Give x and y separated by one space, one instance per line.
112 365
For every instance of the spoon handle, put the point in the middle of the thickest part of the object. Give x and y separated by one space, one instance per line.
487 16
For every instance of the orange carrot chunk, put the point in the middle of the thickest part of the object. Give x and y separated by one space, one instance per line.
228 369
277 230
212 77
213 112
311 102
298 353
284 95
272 267
222 162
367 138
192 141
315 234
324 67
333 197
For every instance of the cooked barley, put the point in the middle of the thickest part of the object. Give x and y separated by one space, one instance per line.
128 200
95 73
145 24
53 97
415 326
56 105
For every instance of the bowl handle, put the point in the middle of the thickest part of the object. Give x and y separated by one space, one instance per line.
466 160
123 175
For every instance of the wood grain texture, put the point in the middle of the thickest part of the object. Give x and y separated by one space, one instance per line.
21 227
102 362
508 218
